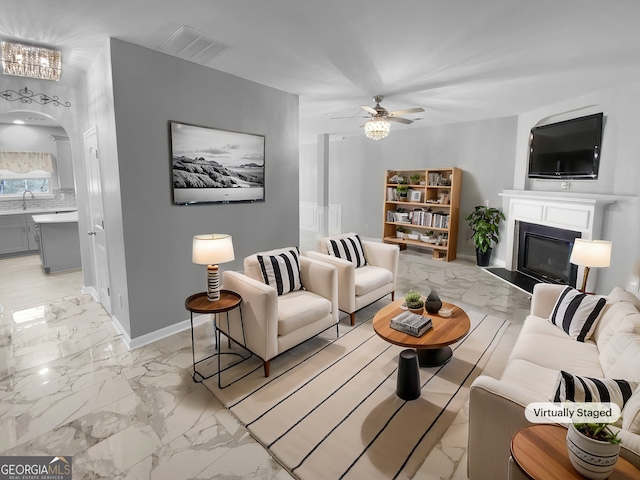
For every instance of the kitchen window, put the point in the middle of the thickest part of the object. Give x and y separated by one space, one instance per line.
13 184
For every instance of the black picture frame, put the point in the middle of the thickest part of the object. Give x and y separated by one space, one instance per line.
210 165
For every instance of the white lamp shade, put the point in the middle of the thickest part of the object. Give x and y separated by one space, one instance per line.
591 253
212 249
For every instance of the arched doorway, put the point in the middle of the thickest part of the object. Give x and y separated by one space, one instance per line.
25 135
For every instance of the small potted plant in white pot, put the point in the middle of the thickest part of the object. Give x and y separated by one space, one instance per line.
414 301
593 449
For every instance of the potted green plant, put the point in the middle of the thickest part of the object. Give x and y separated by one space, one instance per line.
402 190
414 301
485 224
593 449
415 178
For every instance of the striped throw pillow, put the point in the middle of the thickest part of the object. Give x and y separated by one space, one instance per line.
574 388
348 248
282 271
577 313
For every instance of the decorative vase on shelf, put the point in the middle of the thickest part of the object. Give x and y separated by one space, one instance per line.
433 303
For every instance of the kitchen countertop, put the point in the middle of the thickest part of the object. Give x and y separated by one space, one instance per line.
67 217
38 211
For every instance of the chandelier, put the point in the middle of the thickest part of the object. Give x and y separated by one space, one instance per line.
28 61
377 128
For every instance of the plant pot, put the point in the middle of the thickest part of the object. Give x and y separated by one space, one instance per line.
418 310
433 303
591 458
483 259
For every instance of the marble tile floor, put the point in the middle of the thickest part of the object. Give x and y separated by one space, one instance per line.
68 386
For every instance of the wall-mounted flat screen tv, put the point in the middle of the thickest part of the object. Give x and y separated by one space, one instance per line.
566 150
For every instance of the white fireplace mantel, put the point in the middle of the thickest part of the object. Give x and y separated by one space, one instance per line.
581 212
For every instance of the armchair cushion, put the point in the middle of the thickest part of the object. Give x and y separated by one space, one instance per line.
370 277
349 248
281 271
301 308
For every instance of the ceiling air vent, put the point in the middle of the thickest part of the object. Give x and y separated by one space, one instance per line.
194 46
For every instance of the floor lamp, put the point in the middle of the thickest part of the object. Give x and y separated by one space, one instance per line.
210 250
589 254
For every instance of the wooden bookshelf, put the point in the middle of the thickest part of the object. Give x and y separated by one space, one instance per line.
431 210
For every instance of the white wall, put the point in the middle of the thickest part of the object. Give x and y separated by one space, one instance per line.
619 171
484 150
149 90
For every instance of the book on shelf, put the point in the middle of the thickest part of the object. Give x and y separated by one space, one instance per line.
411 323
430 219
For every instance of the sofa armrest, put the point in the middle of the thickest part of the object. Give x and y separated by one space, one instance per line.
496 413
321 278
382 255
259 313
346 278
544 298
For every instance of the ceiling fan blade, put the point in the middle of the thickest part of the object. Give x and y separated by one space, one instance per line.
407 110
341 118
369 110
399 120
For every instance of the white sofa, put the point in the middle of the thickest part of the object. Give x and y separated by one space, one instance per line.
361 286
496 406
275 323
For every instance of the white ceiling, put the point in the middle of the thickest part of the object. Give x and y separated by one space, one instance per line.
460 60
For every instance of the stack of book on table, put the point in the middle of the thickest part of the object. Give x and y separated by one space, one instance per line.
411 323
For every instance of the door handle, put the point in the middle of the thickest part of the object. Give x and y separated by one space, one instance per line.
91 233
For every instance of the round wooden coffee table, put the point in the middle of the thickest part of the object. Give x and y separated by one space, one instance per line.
432 347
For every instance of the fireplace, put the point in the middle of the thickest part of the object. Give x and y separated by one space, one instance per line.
582 215
543 253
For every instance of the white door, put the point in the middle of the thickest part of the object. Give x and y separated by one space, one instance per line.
98 243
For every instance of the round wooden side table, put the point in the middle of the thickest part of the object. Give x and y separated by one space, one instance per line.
540 451
199 303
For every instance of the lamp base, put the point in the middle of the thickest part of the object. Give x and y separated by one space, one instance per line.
213 283
584 280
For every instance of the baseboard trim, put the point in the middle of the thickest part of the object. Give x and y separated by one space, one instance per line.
148 338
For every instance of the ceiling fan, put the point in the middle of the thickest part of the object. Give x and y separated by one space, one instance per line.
378 126
379 112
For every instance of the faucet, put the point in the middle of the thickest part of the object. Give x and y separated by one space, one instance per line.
24 200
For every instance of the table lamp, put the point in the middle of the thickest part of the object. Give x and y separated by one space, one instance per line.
588 254
210 250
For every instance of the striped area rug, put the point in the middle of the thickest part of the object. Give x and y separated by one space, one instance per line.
329 409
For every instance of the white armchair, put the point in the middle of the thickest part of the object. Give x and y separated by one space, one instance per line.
361 286
275 323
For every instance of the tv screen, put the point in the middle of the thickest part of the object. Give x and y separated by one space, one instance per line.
566 150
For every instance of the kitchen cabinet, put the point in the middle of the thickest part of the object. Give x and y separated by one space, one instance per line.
64 162
59 241
17 234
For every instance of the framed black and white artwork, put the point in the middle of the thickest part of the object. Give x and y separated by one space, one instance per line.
215 166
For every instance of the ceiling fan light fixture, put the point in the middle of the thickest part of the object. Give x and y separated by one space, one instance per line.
377 128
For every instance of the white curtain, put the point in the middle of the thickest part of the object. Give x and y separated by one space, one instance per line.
25 162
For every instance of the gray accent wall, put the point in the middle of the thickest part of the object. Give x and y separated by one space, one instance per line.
149 238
